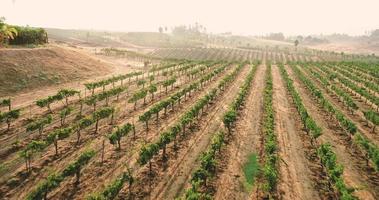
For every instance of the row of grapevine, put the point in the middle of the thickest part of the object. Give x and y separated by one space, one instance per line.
324 151
309 123
62 94
206 170
6 102
54 179
331 87
111 191
344 122
9 116
93 85
207 159
63 133
370 115
230 116
105 95
271 157
352 86
352 76
335 171
156 108
148 151
92 100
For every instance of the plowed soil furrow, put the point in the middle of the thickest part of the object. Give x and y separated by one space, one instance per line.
174 179
95 142
356 174
295 175
245 140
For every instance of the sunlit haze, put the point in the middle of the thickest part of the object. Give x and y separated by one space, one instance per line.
248 17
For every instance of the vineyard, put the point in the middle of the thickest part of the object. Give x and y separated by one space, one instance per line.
202 123
282 55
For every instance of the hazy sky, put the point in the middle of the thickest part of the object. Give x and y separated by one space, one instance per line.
254 17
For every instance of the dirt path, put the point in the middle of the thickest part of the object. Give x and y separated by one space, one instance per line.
177 176
355 173
246 140
295 176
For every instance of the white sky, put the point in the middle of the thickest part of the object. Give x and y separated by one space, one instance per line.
254 17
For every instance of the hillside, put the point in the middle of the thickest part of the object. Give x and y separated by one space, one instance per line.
26 69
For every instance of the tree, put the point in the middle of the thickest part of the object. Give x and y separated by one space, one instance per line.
30 149
39 124
6 102
141 82
146 154
164 139
58 134
64 113
75 167
160 29
296 43
141 94
152 89
65 93
83 123
115 137
101 114
229 118
145 118
91 101
9 116
6 32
